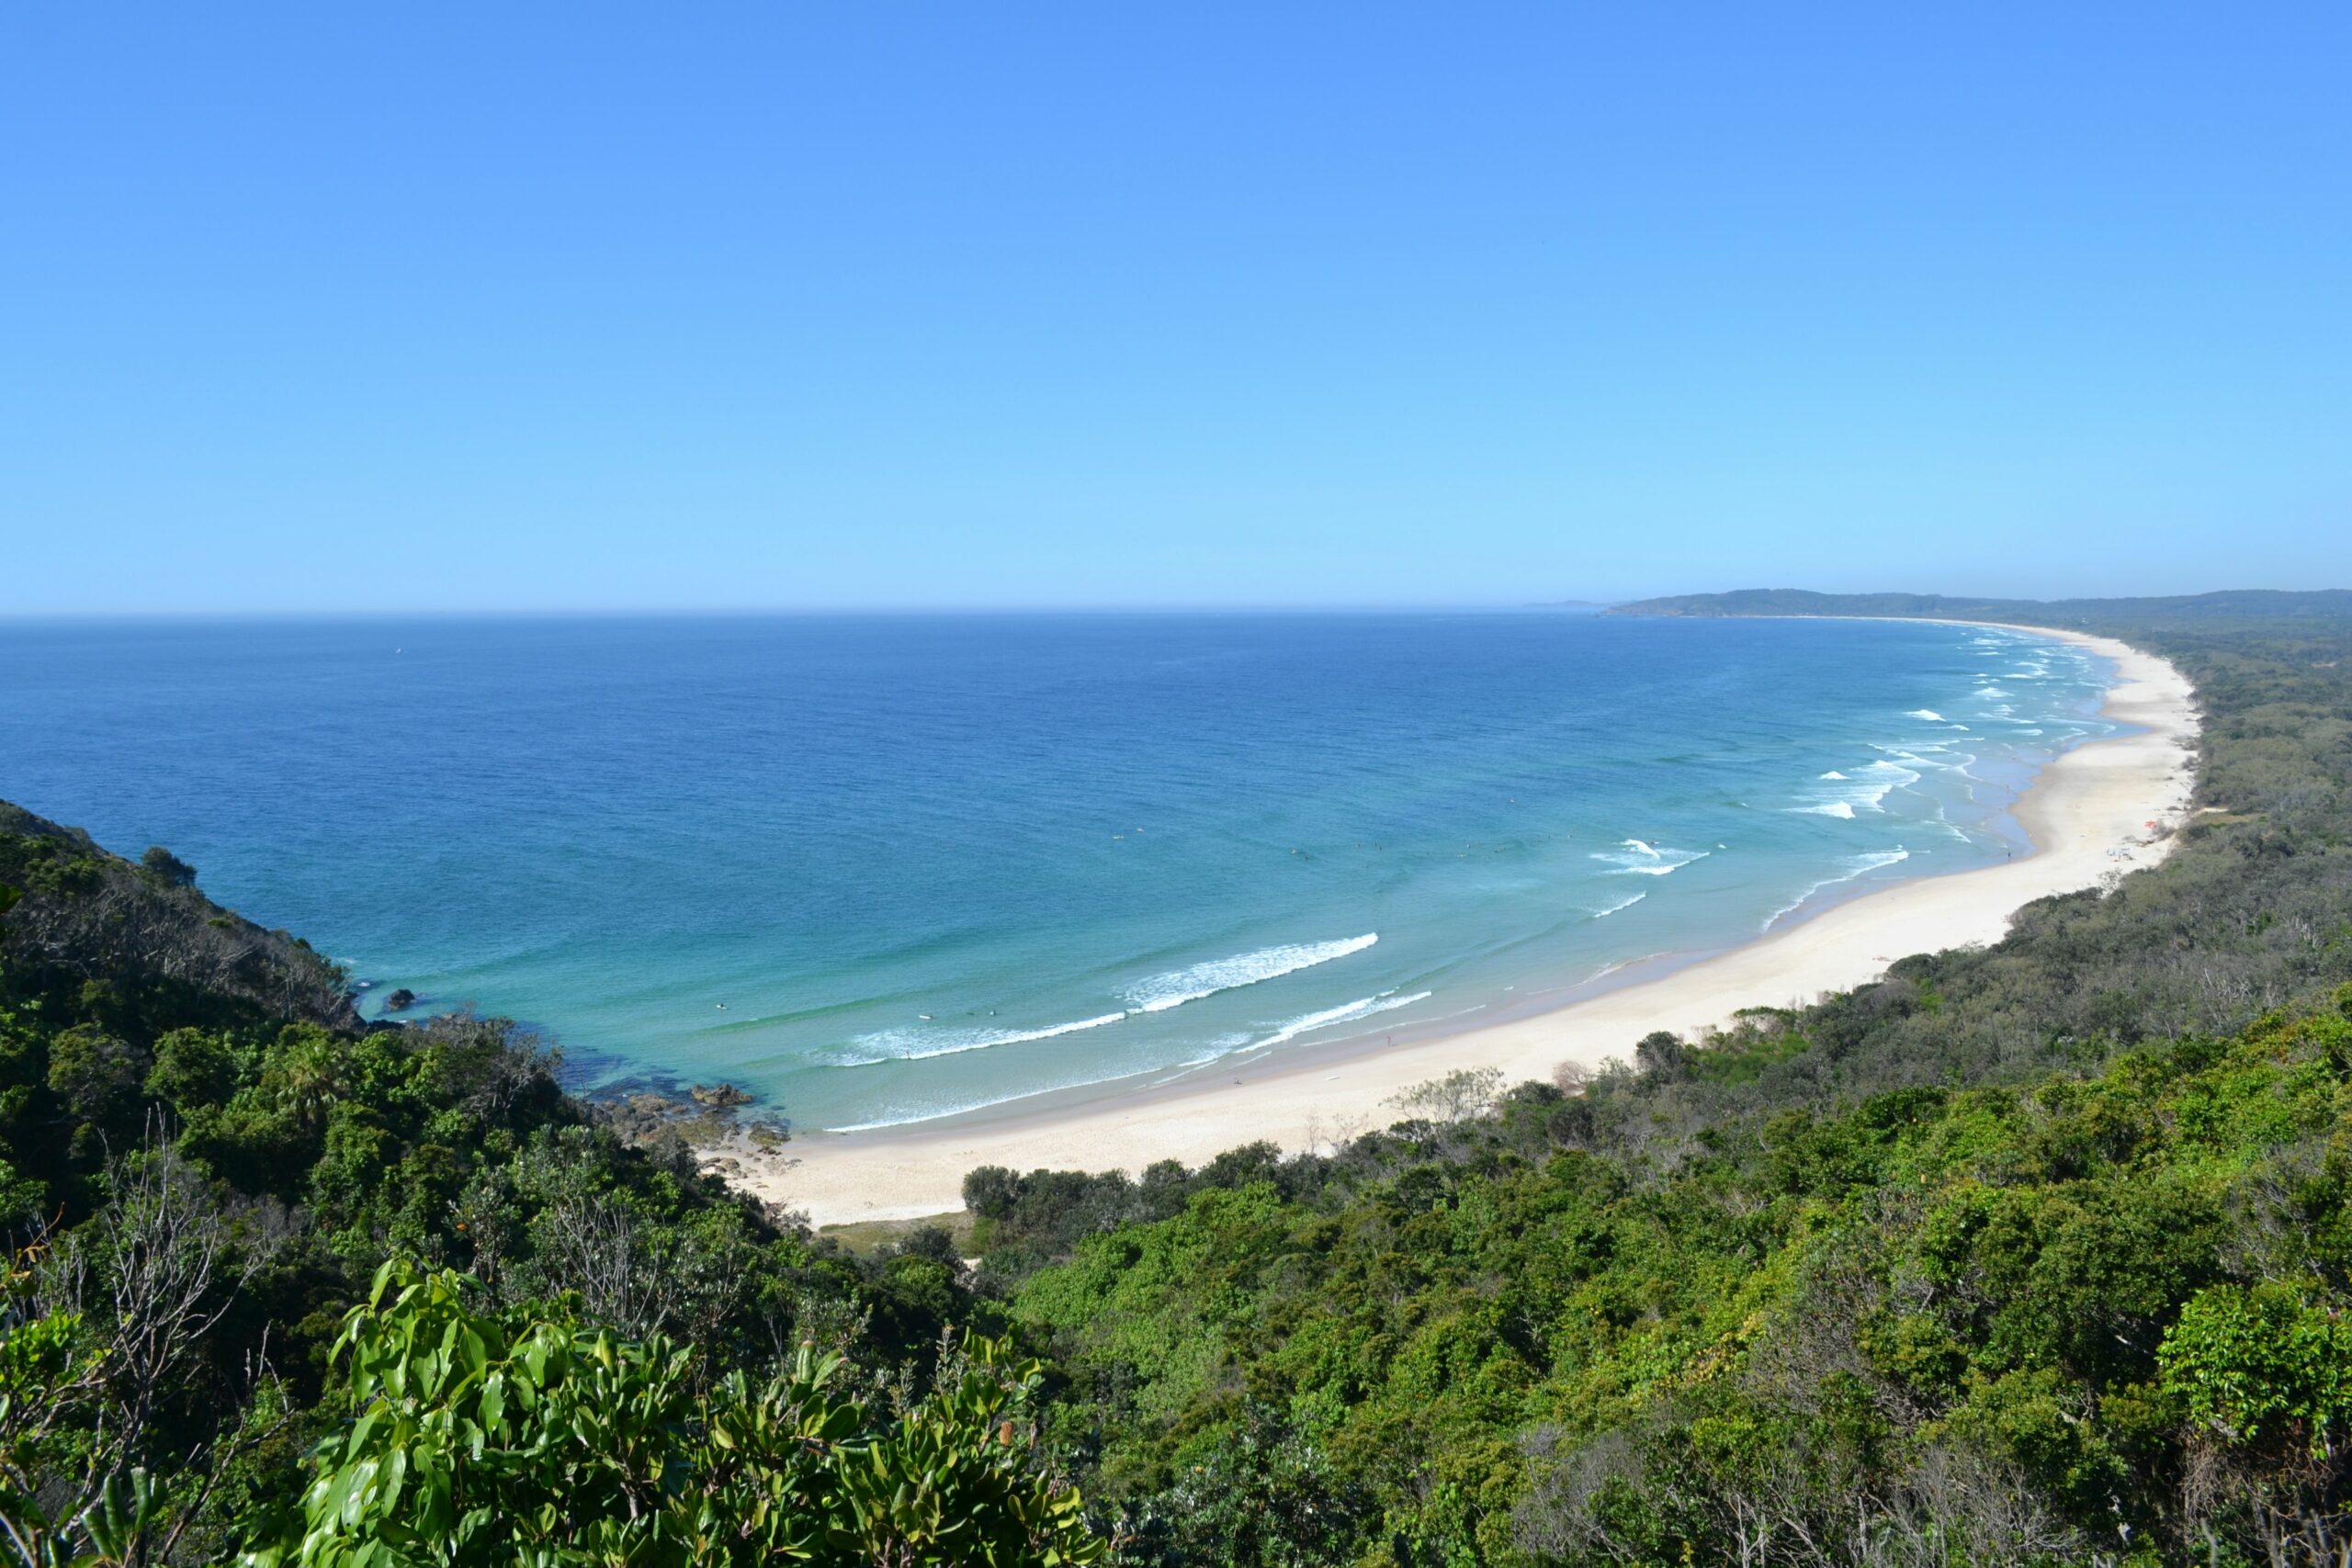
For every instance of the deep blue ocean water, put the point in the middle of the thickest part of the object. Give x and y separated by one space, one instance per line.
886 868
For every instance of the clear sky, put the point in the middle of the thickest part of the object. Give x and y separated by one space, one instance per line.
578 306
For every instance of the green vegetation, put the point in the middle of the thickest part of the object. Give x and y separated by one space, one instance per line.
865 1237
2036 1254
2030 1254
485 1439
2091 1317
205 1160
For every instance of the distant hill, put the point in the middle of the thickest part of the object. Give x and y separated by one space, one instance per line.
2232 605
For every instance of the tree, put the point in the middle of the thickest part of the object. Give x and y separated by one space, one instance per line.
1661 1055
98 1336
167 868
1461 1094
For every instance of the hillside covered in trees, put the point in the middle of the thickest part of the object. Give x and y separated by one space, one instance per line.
237 1219
2033 1254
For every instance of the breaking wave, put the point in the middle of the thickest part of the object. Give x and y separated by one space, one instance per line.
1353 1012
1866 789
1178 987
1635 857
1854 866
922 1044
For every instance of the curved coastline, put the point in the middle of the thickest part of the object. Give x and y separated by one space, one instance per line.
2081 813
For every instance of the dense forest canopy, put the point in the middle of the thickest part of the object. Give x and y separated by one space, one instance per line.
238 1219
2035 1253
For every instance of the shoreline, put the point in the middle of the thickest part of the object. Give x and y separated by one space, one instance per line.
2081 813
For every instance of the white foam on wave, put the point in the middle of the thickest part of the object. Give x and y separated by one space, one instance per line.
1866 789
1155 995
1881 778
1627 904
1220 1046
1851 867
1639 858
910 1121
914 1117
922 1045
1384 1002
1178 987
940 1112
1930 715
1991 692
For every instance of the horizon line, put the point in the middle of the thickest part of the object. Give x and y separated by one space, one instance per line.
616 612
883 610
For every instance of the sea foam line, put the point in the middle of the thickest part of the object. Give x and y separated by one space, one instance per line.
913 1118
887 1041
1857 865
1178 987
1384 1002
1157 993
1225 1045
1639 858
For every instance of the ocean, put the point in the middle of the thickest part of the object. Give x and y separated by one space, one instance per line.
880 870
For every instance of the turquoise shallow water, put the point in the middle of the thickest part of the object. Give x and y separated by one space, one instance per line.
882 869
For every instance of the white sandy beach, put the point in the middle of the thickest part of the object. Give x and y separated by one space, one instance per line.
2084 807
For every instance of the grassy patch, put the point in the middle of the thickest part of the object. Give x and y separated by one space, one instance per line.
861 1237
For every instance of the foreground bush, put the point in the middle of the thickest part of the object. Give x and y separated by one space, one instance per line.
510 1439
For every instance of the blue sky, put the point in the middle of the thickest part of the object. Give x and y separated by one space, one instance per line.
372 307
